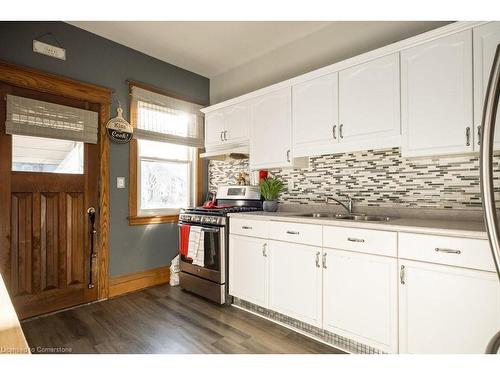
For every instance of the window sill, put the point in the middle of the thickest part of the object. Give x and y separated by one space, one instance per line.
146 220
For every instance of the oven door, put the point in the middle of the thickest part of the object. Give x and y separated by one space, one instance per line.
214 257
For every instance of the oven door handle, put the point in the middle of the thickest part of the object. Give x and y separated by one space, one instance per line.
204 229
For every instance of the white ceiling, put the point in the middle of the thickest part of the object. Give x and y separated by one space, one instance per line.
208 48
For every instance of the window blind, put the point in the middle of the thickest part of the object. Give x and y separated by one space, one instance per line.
42 119
166 119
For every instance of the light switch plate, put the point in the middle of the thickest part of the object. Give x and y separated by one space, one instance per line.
120 182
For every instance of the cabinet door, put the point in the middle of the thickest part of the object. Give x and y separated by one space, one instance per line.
360 298
486 40
315 116
369 103
295 281
248 269
237 122
214 127
436 96
271 130
445 309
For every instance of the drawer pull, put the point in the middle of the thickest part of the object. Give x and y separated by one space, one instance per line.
292 232
447 251
246 227
355 239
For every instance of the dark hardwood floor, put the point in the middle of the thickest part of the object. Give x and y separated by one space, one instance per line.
167 320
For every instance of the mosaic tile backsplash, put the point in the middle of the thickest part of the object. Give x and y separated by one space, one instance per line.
375 178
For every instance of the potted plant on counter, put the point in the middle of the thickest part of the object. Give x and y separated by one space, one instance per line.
270 188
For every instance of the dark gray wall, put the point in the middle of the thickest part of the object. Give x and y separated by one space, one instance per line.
93 59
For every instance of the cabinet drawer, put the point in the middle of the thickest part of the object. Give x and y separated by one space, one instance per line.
307 234
453 251
252 228
361 240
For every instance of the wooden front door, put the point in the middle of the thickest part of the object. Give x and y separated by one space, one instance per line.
46 259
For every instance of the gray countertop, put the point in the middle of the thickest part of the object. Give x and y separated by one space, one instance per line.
470 228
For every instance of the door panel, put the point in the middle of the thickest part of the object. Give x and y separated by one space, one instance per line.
446 310
369 101
295 281
437 96
45 256
486 40
315 116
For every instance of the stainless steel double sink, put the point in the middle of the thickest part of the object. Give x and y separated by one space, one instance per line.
346 216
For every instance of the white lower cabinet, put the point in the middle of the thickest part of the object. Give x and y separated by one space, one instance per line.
248 269
445 309
295 281
360 298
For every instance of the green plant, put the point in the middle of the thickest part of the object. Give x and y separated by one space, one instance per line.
270 188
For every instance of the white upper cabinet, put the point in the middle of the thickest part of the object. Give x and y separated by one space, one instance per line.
446 310
227 126
437 96
486 40
237 122
315 116
271 130
214 129
360 298
295 281
369 104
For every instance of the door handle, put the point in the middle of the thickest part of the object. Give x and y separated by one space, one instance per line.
479 135
221 136
467 136
93 241
264 250
402 275
355 239
317 259
288 156
447 251
225 135
341 132
323 260
334 131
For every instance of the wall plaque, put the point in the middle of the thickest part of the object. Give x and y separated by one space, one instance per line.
119 130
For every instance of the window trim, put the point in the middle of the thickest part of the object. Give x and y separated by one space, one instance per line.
134 217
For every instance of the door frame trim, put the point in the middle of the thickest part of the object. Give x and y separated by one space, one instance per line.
21 76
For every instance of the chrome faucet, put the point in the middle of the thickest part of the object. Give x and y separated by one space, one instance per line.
348 205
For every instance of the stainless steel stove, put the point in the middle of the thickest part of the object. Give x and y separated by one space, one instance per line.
210 279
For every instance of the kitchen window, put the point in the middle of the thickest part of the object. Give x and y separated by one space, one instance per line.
164 162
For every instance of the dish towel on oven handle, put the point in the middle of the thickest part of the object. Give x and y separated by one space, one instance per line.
199 258
194 241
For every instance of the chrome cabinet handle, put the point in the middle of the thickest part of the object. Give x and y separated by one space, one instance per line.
402 275
292 232
264 250
323 260
355 239
447 251
221 136
288 156
317 259
467 136
334 130
225 135
246 227
479 135
341 133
